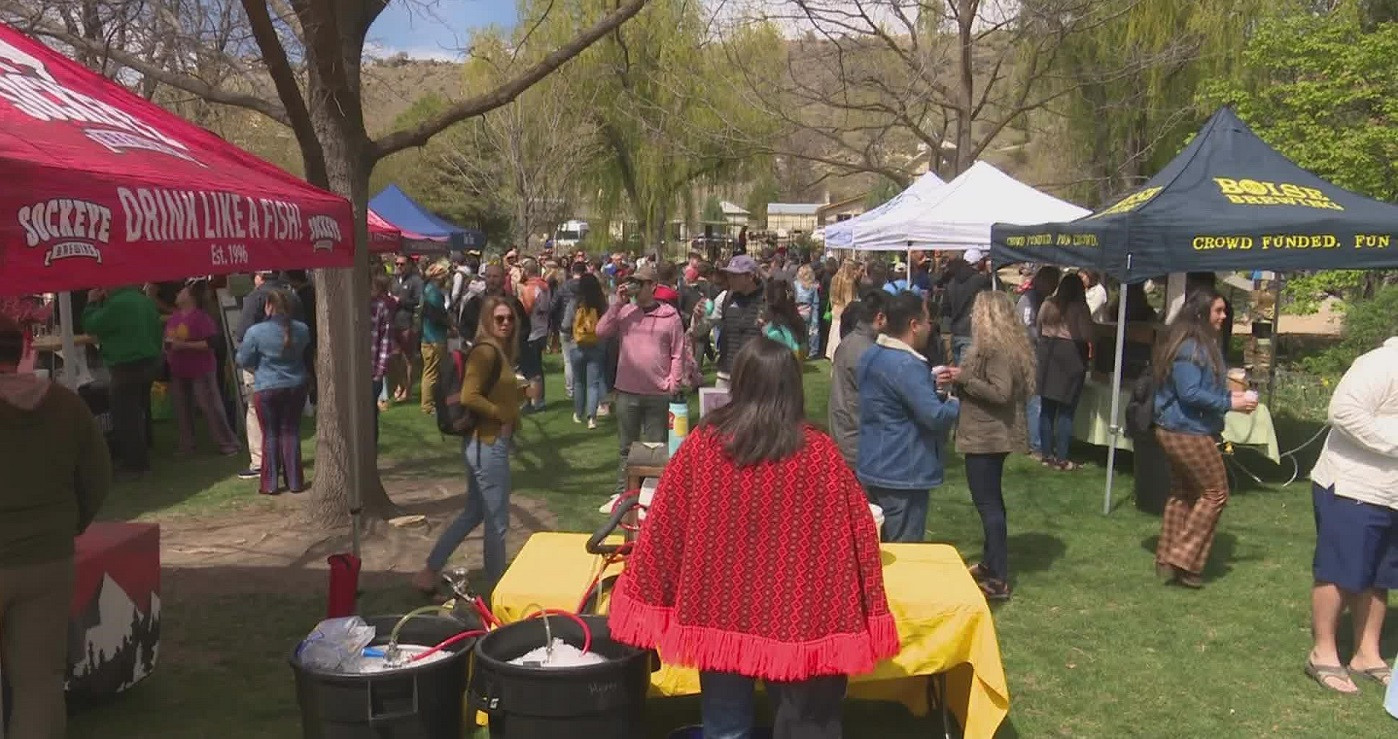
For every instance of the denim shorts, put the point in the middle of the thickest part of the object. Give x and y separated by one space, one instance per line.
1356 544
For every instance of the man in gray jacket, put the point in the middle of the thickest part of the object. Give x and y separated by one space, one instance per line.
844 393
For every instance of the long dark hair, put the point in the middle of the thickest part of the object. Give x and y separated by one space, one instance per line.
281 313
1070 290
766 419
781 307
1192 324
590 293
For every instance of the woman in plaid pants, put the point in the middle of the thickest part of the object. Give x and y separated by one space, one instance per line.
1191 399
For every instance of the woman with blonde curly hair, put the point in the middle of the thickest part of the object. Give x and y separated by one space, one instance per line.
844 289
995 379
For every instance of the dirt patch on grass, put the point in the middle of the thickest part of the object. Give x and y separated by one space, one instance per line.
261 550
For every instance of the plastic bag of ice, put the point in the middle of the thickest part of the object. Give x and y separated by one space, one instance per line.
335 642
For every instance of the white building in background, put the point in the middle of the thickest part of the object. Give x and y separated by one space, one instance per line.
793 218
736 215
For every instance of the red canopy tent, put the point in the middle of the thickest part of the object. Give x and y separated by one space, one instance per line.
384 237
107 188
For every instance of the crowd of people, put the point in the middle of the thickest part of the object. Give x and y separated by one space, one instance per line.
919 353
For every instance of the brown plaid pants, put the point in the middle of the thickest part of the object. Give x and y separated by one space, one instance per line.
1198 493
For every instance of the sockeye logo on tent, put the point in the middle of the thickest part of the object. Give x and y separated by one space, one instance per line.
26 84
325 232
67 227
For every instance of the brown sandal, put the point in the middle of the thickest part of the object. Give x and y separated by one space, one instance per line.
1383 674
1321 673
995 590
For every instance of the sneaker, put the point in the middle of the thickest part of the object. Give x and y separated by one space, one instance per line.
592 423
251 473
577 418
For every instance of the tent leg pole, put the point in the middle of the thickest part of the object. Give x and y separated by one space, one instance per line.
1276 337
1114 428
70 347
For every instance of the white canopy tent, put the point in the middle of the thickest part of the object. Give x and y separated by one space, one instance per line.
959 214
845 234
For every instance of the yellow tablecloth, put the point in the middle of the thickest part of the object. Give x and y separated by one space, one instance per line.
942 617
1092 423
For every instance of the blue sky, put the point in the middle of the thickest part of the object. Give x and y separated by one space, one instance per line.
437 28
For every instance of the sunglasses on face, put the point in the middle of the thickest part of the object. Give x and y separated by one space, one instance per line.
502 320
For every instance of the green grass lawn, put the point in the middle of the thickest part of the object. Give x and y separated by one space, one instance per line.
1093 645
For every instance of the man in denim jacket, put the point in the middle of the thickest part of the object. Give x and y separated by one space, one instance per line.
903 420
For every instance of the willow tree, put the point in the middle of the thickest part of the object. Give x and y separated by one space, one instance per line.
664 109
309 54
1131 81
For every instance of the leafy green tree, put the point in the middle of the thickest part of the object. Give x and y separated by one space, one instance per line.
881 193
1322 87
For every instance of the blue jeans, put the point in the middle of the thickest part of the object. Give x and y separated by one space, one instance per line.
588 390
810 709
959 345
1056 427
567 344
1031 418
813 338
487 501
904 512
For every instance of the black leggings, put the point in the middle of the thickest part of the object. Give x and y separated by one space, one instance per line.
984 473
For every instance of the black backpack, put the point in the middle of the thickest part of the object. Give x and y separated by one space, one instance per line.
1140 409
453 418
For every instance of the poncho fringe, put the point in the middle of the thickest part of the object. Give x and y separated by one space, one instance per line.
716 650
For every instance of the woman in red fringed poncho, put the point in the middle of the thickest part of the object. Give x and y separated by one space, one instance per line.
759 560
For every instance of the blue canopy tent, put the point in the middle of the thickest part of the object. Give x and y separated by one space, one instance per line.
422 229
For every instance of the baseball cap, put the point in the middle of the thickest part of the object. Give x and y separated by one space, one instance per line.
974 255
643 273
741 264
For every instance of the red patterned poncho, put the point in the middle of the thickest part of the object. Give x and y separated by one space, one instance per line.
771 571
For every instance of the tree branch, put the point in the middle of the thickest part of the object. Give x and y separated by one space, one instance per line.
504 94
284 78
189 84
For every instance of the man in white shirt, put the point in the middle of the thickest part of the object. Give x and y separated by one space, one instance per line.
1355 493
1096 297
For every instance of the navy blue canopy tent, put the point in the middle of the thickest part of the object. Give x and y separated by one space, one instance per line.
1227 202
422 229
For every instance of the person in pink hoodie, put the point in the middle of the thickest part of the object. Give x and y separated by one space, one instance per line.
650 361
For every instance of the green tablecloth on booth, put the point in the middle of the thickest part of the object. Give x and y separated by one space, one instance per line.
1092 423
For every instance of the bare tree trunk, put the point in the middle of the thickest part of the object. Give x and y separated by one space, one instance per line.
342 311
966 89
